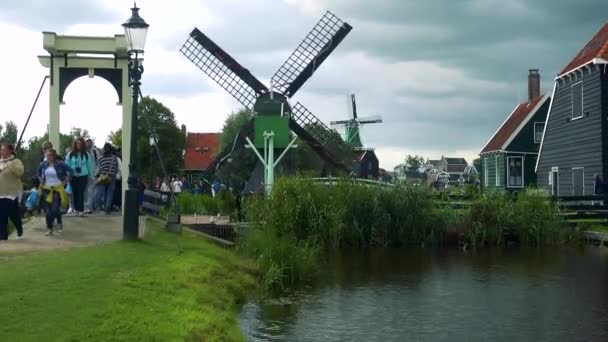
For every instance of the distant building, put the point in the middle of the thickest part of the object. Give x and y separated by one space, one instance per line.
201 149
454 167
509 157
574 144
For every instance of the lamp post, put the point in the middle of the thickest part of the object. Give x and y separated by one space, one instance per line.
136 30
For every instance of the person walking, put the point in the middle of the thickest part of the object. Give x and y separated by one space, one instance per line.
117 202
177 186
106 179
53 175
11 170
89 194
79 161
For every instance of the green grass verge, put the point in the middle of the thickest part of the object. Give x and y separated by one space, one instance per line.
166 287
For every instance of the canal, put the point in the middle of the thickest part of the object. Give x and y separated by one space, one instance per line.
444 295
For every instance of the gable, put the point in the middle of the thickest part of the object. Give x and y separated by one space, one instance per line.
523 141
201 149
513 124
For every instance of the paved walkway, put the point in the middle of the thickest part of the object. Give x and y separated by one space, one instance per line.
77 232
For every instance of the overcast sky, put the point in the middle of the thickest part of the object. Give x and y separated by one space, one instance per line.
442 73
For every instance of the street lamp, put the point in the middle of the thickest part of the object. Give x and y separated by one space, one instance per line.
136 30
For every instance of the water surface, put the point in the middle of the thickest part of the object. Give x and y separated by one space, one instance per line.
444 295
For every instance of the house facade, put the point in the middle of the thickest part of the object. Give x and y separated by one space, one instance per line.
201 149
454 167
508 159
575 142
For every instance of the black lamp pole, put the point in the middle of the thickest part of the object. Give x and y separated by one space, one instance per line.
135 31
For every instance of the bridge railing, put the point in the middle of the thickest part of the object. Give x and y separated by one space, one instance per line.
333 181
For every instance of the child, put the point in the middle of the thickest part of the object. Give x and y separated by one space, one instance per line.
31 202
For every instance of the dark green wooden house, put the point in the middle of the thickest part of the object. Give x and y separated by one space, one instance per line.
509 158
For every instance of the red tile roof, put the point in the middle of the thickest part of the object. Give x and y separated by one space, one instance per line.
201 149
510 125
597 47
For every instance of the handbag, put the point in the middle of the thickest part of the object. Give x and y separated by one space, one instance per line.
104 179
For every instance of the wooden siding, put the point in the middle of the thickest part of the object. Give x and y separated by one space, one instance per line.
573 143
491 161
524 141
604 125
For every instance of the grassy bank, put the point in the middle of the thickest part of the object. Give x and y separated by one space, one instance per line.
166 287
302 219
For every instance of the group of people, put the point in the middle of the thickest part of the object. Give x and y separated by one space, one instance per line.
177 186
85 180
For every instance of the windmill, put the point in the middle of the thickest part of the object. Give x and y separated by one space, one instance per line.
351 125
271 108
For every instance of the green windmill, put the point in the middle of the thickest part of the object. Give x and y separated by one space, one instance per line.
275 122
351 125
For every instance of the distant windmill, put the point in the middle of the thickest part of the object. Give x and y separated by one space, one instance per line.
351 126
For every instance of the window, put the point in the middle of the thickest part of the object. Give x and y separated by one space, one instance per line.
577 100
539 127
485 171
515 172
497 180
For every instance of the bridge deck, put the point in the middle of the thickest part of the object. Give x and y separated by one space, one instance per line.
77 232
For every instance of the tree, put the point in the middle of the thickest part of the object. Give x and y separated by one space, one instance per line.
8 134
76 133
171 140
115 137
414 162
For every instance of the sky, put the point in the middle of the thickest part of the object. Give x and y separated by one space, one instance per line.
443 74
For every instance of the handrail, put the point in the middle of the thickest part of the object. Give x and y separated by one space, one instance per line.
356 180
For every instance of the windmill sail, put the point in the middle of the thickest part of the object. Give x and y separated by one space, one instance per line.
310 54
325 141
222 68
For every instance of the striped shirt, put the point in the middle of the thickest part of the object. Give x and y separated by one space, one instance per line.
108 165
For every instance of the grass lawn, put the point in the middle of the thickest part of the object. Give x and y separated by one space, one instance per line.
166 287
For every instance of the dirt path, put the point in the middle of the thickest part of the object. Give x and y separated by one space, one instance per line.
77 232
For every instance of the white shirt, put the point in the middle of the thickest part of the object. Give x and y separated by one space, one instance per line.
50 176
119 174
164 187
177 186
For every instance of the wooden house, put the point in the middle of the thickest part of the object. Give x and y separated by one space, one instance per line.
574 146
509 157
201 149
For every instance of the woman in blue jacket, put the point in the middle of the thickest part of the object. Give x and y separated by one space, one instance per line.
53 175
81 164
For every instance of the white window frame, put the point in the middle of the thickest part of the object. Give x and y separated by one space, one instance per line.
578 168
541 136
582 100
497 180
522 172
485 171
556 170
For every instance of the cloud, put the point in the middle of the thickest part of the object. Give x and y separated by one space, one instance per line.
54 15
443 74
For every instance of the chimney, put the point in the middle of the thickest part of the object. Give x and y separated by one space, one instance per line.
533 84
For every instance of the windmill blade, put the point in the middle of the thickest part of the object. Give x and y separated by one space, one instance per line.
354 106
222 68
310 54
339 122
325 141
349 107
370 119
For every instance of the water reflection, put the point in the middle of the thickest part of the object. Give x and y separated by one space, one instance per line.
444 295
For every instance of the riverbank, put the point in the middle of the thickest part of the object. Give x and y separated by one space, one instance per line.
302 219
165 287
